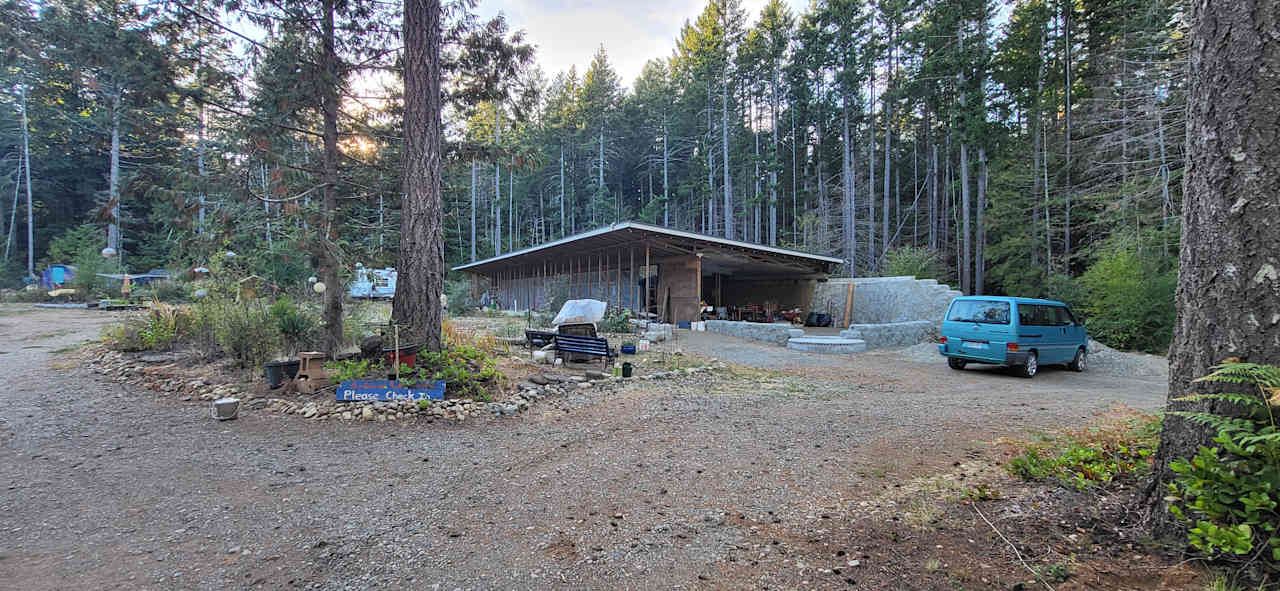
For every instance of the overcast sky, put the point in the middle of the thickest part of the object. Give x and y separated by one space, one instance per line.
567 32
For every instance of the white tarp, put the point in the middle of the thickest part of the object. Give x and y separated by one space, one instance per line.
580 312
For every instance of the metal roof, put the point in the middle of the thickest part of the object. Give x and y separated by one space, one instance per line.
664 241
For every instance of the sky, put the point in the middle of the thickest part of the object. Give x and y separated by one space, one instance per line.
567 32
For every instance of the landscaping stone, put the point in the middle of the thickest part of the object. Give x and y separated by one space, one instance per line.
828 345
776 333
892 334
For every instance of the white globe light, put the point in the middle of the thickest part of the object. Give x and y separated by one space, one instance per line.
312 279
318 287
108 252
231 255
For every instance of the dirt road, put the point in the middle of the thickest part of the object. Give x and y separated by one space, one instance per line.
661 485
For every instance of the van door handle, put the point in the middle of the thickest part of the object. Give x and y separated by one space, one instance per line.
1032 336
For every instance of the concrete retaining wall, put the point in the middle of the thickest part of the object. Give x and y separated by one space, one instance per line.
880 300
777 334
892 334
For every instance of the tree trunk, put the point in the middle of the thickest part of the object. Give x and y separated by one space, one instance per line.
497 186
473 211
1066 235
980 266
113 187
1228 281
416 306
26 171
325 246
884 209
871 174
200 170
724 142
849 200
966 256
562 232
666 158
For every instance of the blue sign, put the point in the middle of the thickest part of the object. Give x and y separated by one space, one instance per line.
384 390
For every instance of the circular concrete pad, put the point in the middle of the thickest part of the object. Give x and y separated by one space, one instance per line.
829 345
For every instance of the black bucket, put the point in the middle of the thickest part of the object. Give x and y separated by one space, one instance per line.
278 370
626 370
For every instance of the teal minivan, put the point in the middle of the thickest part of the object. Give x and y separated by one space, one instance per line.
1022 333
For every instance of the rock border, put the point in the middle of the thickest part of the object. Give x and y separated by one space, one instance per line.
134 370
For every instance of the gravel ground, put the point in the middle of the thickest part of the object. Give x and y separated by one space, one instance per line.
656 485
1102 360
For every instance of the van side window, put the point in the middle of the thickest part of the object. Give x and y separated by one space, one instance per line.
1069 318
1036 315
1061 317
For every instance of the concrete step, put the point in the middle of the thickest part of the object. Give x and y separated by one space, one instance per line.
827 345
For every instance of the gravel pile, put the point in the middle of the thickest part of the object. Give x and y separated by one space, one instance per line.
1102 359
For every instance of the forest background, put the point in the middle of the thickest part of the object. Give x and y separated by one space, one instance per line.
1023 147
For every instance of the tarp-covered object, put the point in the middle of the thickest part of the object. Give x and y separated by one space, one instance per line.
580 312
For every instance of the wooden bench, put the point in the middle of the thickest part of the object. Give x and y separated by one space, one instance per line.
538 338
585 345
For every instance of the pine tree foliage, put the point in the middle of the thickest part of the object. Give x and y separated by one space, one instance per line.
846 128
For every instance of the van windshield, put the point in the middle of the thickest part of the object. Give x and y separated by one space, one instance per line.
984 311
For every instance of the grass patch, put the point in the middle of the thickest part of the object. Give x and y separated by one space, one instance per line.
1119 443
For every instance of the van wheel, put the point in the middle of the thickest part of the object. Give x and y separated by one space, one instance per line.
1080 362
955 363
1029 369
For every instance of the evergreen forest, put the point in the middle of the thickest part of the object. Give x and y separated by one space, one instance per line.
1020 147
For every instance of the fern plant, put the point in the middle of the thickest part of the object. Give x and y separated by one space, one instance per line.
1229 494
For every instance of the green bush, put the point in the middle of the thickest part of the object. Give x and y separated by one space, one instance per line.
170 290
295 325
459 293
1120 445
1229 493
615 321
1130 300
916 261
351 369
467 371
244 331
75 243
159 328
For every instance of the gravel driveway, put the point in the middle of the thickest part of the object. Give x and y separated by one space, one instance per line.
652 486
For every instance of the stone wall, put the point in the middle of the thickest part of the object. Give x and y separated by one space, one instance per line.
777 334
880 300
892 334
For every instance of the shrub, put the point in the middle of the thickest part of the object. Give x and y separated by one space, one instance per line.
1120 443
615 321
459 294
171 290
916 261
75 243
467 371
159 328
350 369
295 325
1228 493
1130 300
244 331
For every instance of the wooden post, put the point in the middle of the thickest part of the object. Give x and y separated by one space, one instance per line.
848 306
647 271
697 297
600 277
618 281
631 279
